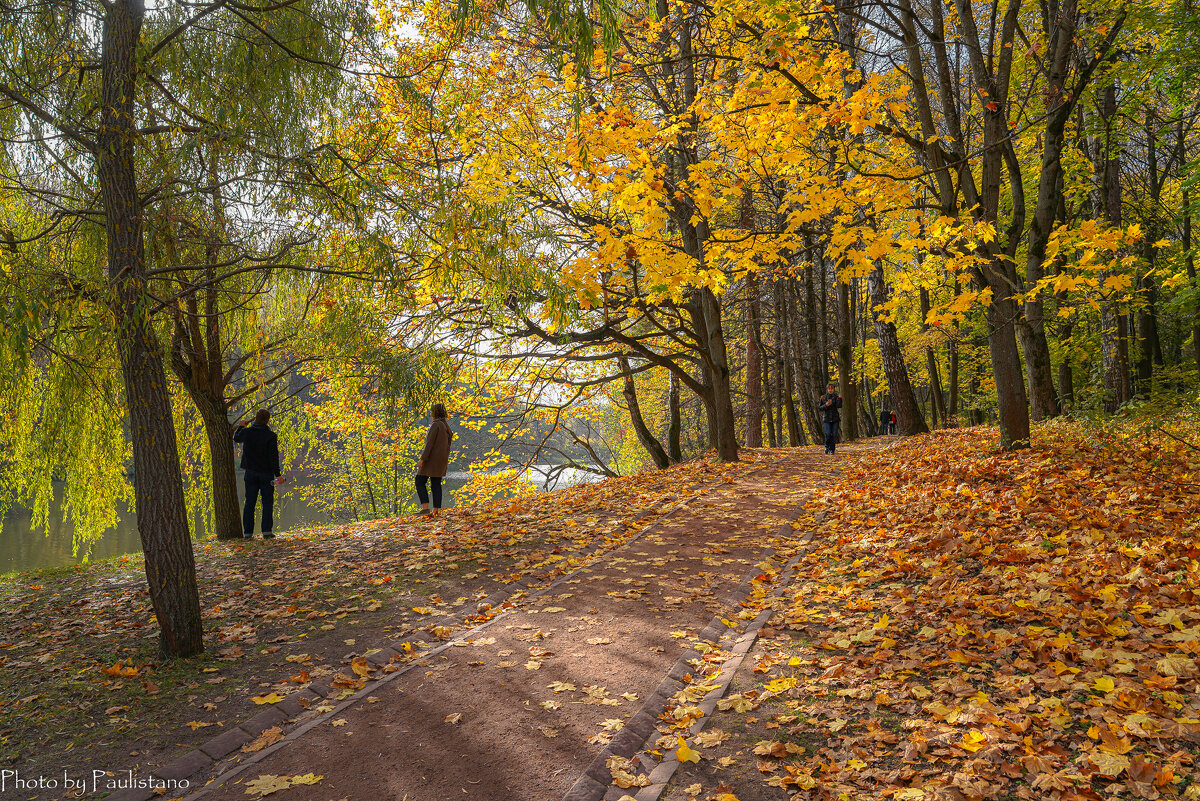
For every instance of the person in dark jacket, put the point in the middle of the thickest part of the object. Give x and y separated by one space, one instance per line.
431 467
885 421
260 460
829 404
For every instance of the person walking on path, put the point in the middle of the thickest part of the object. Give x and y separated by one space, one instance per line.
885 420
260 460
892 423
431 467
829 404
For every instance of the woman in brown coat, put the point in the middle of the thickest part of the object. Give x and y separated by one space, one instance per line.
431 467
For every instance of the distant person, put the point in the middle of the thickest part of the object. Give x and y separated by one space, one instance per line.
885 422
892 423
431 467
260 460
829 404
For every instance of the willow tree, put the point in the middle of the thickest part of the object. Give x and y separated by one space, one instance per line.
105 108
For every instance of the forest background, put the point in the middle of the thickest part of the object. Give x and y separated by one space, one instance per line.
609 236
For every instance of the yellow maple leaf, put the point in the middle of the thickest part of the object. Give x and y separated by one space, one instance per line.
1104 684
1109 764
273 698
266 784
685 754
973 741
307 778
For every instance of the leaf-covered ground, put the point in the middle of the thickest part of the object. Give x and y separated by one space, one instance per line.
969 624
80 683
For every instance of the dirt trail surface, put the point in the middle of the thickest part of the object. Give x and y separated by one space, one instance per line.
519 709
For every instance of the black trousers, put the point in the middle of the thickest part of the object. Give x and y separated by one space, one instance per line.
256 484
831 436
423 494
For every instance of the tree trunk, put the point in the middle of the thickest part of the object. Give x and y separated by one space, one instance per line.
991 79
727 446
227 513
1114 334
196 360
157 482
953 408
1190 263
1149 346
1189 257
1061 37
847 385
798 312
789 401
754 400
908 414
1066 380
675 451
658 454
931 363
769 412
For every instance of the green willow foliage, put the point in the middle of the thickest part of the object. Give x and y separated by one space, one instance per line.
241 179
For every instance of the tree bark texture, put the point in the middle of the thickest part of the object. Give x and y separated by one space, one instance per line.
1114 333
674 449
157 482
846 383
653 447
754 399
904 402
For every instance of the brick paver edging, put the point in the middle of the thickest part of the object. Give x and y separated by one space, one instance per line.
595 783
231 739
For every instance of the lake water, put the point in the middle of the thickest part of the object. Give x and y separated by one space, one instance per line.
22 548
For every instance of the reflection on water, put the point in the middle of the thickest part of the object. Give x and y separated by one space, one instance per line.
22 548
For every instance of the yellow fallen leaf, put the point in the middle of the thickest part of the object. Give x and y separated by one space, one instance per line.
685 754
338 722
1108 764
454 719
973 741
307 778
1104 684
268 737
273 698
266 784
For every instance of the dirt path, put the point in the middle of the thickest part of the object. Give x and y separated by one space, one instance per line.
520 709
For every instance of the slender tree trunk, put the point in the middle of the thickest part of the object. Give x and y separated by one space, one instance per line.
849 388
785 366
658 454
931 363
1190 263
673 431
769 412
1149 345
953 407
1061 37
227 513
789 394
157 481
908 414
727 446
1066 380
799 317
754 399
1114 334
991 79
